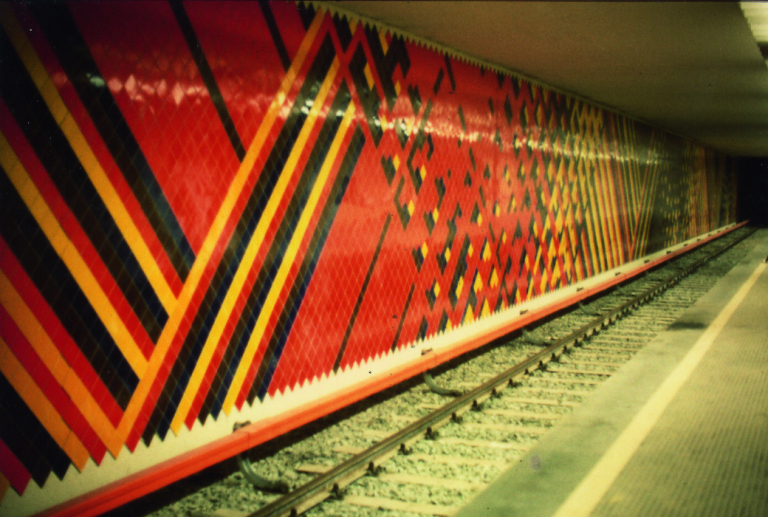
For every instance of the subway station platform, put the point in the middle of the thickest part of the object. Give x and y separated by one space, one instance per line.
681 430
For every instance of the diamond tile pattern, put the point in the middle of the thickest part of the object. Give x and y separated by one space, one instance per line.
206 205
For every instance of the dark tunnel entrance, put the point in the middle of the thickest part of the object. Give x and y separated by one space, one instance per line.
753 190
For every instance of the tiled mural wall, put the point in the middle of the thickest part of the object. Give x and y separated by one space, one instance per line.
205 204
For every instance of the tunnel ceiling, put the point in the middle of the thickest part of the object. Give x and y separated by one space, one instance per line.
691 68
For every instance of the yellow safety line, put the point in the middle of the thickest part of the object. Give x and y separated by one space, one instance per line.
259 234
42 344
217 227
26 387
87 158
282 273
594 486
71 258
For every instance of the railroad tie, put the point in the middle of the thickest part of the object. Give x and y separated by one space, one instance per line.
507 428
581 372
563 380
593 363
616 349
542 402
454 460
511 413
421 479
553 391
400 506
482 444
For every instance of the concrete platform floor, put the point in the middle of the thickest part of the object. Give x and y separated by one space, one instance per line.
681 430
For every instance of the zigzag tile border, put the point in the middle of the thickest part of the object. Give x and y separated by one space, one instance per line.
209 208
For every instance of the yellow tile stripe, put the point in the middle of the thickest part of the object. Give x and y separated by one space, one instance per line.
611 220
646 200
593 248
618 177
632 196
42 344
71 258
36 401
615 212
282 273
87 158
649 190
214 234
597 204
254 245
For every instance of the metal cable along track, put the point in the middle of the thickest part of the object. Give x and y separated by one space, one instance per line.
332 482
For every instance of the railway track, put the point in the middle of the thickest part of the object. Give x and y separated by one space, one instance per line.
415 451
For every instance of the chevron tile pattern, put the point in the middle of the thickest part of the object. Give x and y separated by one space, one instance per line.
207 204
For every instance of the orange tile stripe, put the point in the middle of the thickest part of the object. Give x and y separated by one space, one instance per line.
604 246
37 402
608 200
623 198
596 251
42 344
87 158
632 179
606 222
290 252
214 234
645 196
251 252
618 251
651 183
71 258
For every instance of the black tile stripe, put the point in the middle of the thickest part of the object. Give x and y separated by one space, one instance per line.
275 33
343 31
245 228
277 250
397 54
304 277
73 54
438 82
459 272
54 281
285 231
361 294
307 14
418 145
16 439
449 69
23 433
368 96
402 318
207 75
65 170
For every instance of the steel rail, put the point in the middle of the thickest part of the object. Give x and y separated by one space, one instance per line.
331 483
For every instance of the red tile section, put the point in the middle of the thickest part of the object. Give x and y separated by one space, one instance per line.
160 92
